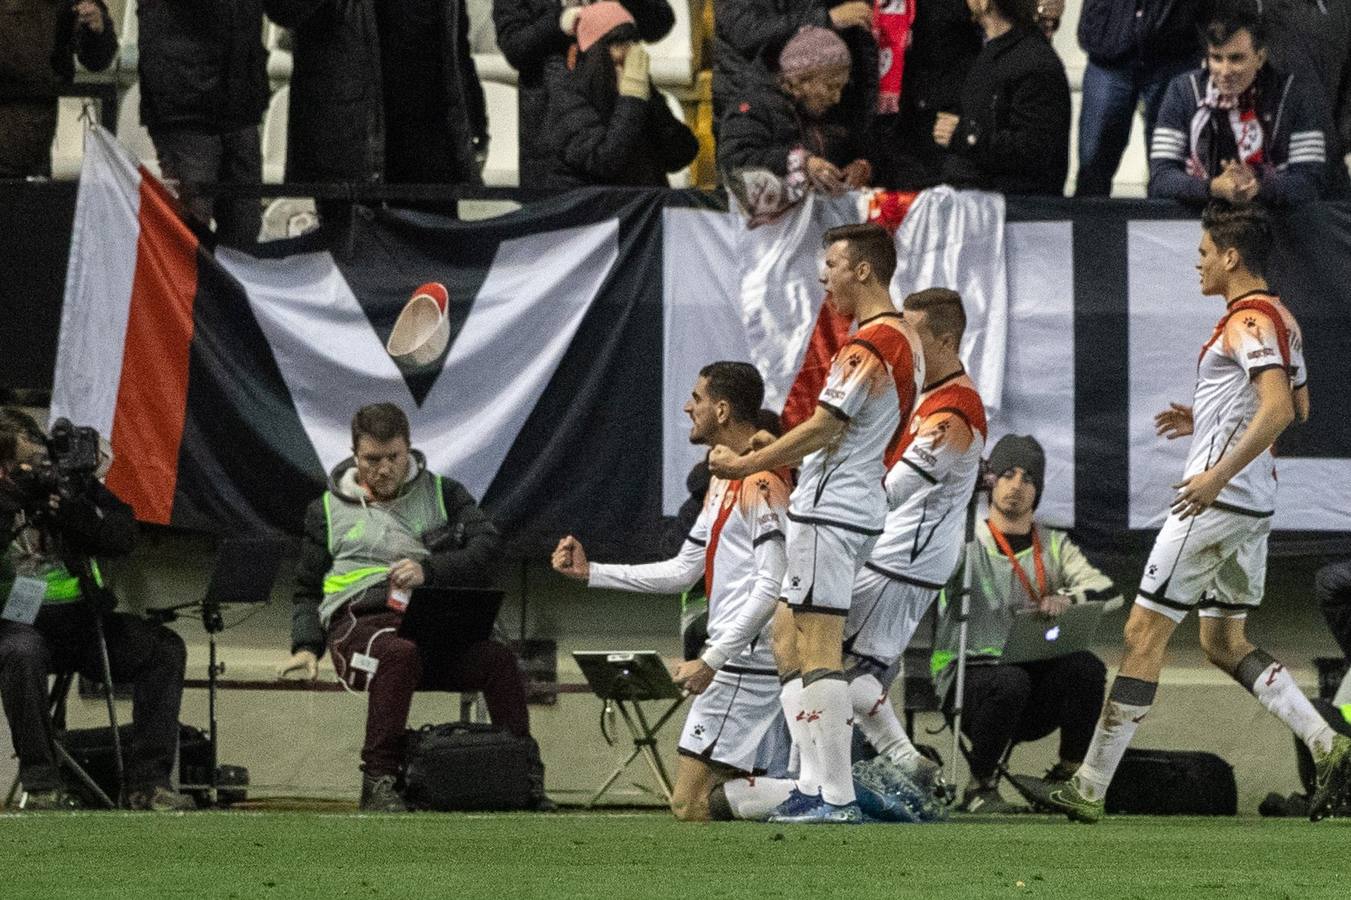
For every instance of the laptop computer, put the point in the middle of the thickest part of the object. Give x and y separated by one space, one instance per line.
450 617
1035 637
627 675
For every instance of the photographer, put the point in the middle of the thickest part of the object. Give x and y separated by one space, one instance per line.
386 526
43 512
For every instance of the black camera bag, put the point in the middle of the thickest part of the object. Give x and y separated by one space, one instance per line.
1173 783
472 766
92 750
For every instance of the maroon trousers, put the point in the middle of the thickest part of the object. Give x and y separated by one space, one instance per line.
401 668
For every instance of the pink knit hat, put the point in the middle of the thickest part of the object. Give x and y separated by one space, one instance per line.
813 48
599 19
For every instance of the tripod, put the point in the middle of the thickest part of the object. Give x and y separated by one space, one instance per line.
963 618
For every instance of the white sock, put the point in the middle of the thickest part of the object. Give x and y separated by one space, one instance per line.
875 717
1277 691
808 777
755 798
830 721
1130 700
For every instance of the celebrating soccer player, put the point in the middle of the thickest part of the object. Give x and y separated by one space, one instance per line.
737 545
1211 553
836 512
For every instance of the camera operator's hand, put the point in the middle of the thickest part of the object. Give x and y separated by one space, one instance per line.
407 574
569 558
302 661
1053 605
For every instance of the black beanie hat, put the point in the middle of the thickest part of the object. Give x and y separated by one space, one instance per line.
1020 451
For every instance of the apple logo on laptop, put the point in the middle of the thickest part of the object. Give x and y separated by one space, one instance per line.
1053 633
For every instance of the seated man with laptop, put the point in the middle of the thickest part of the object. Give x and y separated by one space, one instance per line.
1035 605
388 532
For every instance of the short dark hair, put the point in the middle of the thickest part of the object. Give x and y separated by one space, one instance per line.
1243 227
15 423
1228 19
740 384
946 316
769 420
380 422
868 243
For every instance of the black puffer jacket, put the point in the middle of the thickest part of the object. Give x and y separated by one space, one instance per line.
634 144
1014 132
744 29
1142 32
762 125
202 64
38 47
530 39
336 129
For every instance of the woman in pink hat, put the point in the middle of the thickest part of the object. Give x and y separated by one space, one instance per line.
607 123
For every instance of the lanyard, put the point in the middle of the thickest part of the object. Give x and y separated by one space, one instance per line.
1007 550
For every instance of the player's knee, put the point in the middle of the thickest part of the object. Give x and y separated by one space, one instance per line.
1224 648
1143 639
687 806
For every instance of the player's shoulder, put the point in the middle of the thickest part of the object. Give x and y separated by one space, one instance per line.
767 484
888 335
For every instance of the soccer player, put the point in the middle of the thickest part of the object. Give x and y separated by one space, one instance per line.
737 544
1211 553
836 512
931 475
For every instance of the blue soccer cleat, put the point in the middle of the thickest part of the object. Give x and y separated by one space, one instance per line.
888 794
823 813
796 804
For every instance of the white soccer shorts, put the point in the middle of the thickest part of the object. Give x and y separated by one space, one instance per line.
884 616
823 561
732 722
1215 563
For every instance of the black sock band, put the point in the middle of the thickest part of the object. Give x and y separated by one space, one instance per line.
1133 691
789 676
1251 667
816 675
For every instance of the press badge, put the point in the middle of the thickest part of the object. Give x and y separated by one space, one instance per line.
398 599
25 600
364 663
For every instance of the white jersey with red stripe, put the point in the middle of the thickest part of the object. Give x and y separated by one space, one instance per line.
872 385
1257 333
931 474
737 544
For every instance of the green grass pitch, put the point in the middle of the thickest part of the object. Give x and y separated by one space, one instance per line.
621 856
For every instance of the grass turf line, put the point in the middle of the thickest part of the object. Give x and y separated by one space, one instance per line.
249 855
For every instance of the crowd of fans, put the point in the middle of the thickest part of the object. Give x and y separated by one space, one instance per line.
1242 99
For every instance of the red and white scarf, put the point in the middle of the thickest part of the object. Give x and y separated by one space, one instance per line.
892 20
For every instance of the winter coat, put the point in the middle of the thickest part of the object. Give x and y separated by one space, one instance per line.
337 127
38 47
1014 131
1149 33
461 555
744 29
1181 164
529 37
635 144
762 125
202 64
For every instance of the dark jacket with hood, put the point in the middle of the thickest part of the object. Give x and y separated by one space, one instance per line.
614 140
1144 33
763 125
337 125
1014 132
744 29
529 37
202 64
459 554
38 46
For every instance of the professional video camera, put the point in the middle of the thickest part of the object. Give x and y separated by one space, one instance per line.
67 471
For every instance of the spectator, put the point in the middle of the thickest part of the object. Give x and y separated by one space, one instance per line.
944 45
534 36
1011 133
387 525
800 124
1312 38
1134 51
743 30
1238 130
204 88
41 39
607 123
381 91
1020 565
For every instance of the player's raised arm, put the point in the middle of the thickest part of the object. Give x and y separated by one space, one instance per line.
786 452
943 438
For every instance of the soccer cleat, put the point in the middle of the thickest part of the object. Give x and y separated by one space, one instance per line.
885 792
822 813
1065 797
1332 779
796 804
986 802
49 801
380 793
160 799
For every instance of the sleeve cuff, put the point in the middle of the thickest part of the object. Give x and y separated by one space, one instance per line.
714 657
600 577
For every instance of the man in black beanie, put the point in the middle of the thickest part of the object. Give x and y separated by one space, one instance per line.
1024 566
